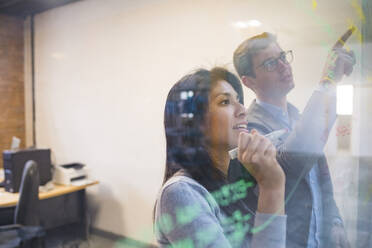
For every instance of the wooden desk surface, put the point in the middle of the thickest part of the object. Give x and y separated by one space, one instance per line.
10 199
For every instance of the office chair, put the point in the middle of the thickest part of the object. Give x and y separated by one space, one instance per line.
26 231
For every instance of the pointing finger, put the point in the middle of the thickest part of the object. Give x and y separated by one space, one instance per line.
341 41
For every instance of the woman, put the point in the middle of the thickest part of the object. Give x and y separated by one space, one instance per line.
197 205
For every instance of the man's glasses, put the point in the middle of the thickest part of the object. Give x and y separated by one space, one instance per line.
272 64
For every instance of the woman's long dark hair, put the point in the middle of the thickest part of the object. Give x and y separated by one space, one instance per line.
184 118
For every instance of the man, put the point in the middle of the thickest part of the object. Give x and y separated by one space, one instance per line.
313 217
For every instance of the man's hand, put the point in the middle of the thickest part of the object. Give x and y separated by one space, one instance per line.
340 62
338 237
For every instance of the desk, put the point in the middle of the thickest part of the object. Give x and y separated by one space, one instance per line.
8 199
60 206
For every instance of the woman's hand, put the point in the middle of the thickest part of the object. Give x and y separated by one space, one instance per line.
258 155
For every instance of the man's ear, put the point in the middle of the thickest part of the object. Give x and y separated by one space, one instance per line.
248 81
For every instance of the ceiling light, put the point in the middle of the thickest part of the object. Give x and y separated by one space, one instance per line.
246 24
254 23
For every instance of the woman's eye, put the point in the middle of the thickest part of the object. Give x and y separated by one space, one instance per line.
225 102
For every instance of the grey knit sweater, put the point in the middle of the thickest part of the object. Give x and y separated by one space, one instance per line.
187 216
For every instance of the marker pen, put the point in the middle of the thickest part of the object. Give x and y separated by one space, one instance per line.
271 136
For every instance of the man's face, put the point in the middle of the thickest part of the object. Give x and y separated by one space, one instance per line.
276 83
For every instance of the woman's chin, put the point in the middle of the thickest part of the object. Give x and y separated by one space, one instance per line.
232 146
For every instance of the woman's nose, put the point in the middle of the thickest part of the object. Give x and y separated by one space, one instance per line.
240 110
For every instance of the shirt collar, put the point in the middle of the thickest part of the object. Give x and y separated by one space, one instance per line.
276 111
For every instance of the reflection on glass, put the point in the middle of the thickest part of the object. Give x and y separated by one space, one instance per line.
345 95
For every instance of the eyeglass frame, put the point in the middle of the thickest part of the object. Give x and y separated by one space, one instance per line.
282 57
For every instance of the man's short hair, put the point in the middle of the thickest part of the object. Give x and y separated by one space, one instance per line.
243 55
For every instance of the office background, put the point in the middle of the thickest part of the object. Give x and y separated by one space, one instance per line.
103 70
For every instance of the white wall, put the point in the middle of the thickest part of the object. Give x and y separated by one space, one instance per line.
103 69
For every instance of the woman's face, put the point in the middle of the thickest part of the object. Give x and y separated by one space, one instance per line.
225 117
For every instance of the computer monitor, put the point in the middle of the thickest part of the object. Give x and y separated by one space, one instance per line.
15 160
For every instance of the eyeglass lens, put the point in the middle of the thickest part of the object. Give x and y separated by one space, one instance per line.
286 57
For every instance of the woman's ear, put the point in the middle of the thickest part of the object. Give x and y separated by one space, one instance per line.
204 128
204 125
